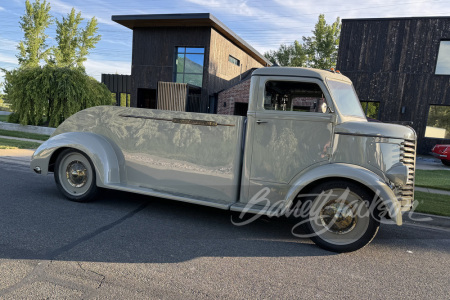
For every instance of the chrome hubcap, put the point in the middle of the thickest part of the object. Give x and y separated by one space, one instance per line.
76 174
338 217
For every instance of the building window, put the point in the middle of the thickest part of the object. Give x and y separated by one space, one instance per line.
438 123
371 109
234 60
189 65
294 96
443 60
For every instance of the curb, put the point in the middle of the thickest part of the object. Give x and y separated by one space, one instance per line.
421 219
27 128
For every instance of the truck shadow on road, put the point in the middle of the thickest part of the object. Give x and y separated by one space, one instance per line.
130 228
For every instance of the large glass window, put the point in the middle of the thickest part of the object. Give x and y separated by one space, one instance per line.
371 109
294 96
443 61
189 65
438 124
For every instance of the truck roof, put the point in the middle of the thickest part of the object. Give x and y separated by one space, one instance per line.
300 72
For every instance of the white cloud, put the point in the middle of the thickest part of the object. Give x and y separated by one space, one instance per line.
8 45
97 67
64 9
7 59
1 8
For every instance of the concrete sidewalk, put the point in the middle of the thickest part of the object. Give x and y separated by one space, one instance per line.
428 162
21 156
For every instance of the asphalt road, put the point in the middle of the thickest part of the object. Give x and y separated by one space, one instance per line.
126 246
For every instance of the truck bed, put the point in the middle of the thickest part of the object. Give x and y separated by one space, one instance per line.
187 155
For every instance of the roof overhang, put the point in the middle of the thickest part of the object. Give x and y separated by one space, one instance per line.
189 20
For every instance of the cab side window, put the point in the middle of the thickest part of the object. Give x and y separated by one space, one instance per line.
294 96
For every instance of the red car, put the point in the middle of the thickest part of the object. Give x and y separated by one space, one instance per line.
442 152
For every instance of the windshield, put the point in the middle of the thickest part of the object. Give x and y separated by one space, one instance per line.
345 98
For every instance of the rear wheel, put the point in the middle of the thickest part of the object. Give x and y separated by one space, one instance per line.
75 176
446 162
340 217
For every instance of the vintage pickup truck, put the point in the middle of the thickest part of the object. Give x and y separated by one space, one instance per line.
305 146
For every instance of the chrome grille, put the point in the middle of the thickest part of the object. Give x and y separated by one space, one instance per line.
408 158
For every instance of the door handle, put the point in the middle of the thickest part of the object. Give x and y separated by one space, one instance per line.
260 122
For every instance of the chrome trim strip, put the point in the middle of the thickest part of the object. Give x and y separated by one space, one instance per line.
180 121
369 135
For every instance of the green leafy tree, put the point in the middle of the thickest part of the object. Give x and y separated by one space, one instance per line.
36 20
74 43
322 47
288 55
52 93
318 51
61 87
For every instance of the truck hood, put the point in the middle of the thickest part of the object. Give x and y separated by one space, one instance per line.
376 129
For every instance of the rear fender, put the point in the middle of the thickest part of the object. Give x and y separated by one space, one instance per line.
106 156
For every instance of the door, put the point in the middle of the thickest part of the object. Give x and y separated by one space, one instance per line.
292 130
146 98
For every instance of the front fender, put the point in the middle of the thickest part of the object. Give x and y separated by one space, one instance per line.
107 158
352 172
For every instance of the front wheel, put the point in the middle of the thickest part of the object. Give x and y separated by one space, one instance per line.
446 162
75 176
340 218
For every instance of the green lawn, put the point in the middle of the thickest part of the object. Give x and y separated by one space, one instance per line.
435 179
3 118
25 135
433 203
15 144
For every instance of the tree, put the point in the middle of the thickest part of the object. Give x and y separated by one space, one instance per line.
52 93
318 51
36 20
322 47
61 87
74 43
288 55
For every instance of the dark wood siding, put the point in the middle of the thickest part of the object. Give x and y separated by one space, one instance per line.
393 61
153 55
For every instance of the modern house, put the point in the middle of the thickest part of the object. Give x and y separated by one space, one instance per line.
181 61
401 71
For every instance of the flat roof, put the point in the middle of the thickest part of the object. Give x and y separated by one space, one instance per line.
395 19
189 20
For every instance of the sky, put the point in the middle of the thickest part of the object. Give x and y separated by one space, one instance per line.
264 24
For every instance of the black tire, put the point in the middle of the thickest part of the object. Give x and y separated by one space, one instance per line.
340 217
446 162
75 176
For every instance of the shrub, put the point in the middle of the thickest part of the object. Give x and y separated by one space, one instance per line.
52 93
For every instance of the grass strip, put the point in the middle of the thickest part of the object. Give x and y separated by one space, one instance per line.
16 144
433 179
434 204
25 135
3 118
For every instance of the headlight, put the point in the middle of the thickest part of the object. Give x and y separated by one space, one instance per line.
398 174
